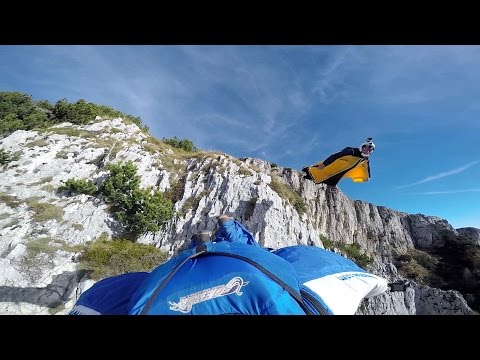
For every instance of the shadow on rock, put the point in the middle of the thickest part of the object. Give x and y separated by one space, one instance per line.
51 296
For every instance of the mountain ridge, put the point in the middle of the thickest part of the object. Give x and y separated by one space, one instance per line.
276 204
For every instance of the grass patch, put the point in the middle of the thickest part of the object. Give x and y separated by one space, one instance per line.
9 200
49 246
45 211
243 171
103 143
113 257
48 188
62 155
39 254
72 132
4 216
113 151
416 264
37 143
151 149
174 159
12 222
453 266
288 194
16 155
57 309
327 243
175 192
32 199
43 180
192 202
352 251
40 245
78 227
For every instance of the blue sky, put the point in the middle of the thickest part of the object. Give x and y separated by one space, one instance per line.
293 106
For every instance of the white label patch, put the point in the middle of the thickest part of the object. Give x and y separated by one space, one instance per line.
186 302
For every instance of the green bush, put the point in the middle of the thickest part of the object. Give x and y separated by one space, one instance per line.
327 243
5 157
140 210
19 112
352 251
80 186
82 112
114 257
184 144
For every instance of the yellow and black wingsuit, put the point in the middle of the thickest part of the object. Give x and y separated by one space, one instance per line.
348 163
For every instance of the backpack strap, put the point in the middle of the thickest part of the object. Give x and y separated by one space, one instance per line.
199 250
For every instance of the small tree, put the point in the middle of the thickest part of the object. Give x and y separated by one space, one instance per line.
140 210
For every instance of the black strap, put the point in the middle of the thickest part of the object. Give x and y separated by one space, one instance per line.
199 250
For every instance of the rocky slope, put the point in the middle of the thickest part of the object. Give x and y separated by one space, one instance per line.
39 225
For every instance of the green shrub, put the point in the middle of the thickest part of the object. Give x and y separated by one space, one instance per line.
122 181
114 257
352 251
184 144
139 210
80 186
175 192
327 243
19 112
4 157
413 270
82 112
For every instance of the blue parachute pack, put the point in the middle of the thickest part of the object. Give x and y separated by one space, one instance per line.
234 275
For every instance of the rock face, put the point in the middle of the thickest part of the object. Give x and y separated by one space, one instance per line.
416 300
276 204
470 235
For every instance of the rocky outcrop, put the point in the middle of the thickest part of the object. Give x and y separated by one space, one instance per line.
470 235
416 300
276 204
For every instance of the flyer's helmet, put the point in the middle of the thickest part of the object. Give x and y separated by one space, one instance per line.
367 147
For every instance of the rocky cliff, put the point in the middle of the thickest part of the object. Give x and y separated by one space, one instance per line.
41 225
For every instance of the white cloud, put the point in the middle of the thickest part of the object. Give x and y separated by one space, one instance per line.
448 192
441 175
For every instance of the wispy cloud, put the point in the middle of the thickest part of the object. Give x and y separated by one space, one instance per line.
441 175
448 192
